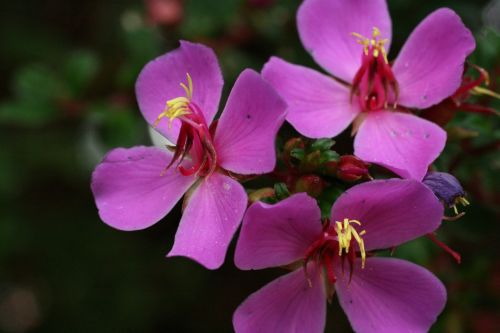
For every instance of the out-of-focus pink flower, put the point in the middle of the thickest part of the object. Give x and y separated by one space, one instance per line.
164 12
351 39
135 188
377 294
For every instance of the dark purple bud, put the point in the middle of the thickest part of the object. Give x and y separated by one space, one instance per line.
446 187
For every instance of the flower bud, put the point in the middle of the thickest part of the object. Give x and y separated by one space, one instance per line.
262 193
312 184
291 147
349 168
446 187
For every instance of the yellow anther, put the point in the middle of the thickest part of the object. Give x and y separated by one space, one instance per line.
375 44
463 201
460 200
345 233
178 106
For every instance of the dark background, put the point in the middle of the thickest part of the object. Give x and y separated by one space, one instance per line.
66 97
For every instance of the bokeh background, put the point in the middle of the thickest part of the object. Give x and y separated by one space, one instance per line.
66 97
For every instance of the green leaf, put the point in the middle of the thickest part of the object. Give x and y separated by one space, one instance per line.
281 191
322 144
297 153
329 156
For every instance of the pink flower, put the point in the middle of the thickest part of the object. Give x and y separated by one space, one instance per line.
427 70
179 93
377 294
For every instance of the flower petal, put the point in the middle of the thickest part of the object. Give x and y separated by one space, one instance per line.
430 65
318 106
287 304
213 213
391 295
326 27
132 189
159 81
244 139
403 143
391 211
279 234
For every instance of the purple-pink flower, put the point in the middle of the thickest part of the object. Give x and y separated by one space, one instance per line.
377 294
178 94
351 40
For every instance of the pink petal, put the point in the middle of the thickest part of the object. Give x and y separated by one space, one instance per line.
318 106
246 131
213 214
401 142
133 190
325 28
391 296
430 65
159 81
276 235
286 305
391 211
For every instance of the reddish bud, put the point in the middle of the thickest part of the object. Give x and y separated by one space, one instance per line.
350 168
312 184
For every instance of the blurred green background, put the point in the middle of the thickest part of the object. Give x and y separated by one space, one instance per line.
66 97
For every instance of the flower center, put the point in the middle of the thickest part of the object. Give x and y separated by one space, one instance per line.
195 137
374 83
335 243
346 234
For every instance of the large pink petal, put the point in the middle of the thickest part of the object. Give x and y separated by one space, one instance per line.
318 106
213 214
391 211
401 142
276 235
133 190
286 305
391 296
159 81
430 65
244 139
326 27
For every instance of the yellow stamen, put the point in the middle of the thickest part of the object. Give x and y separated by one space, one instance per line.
178 106
345 233
483 91
375 43
460 200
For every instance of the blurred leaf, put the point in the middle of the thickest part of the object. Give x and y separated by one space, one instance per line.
208 17
118 125
143 45
37 84
80 69
27 112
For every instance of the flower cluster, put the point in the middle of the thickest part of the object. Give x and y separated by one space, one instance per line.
206 161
